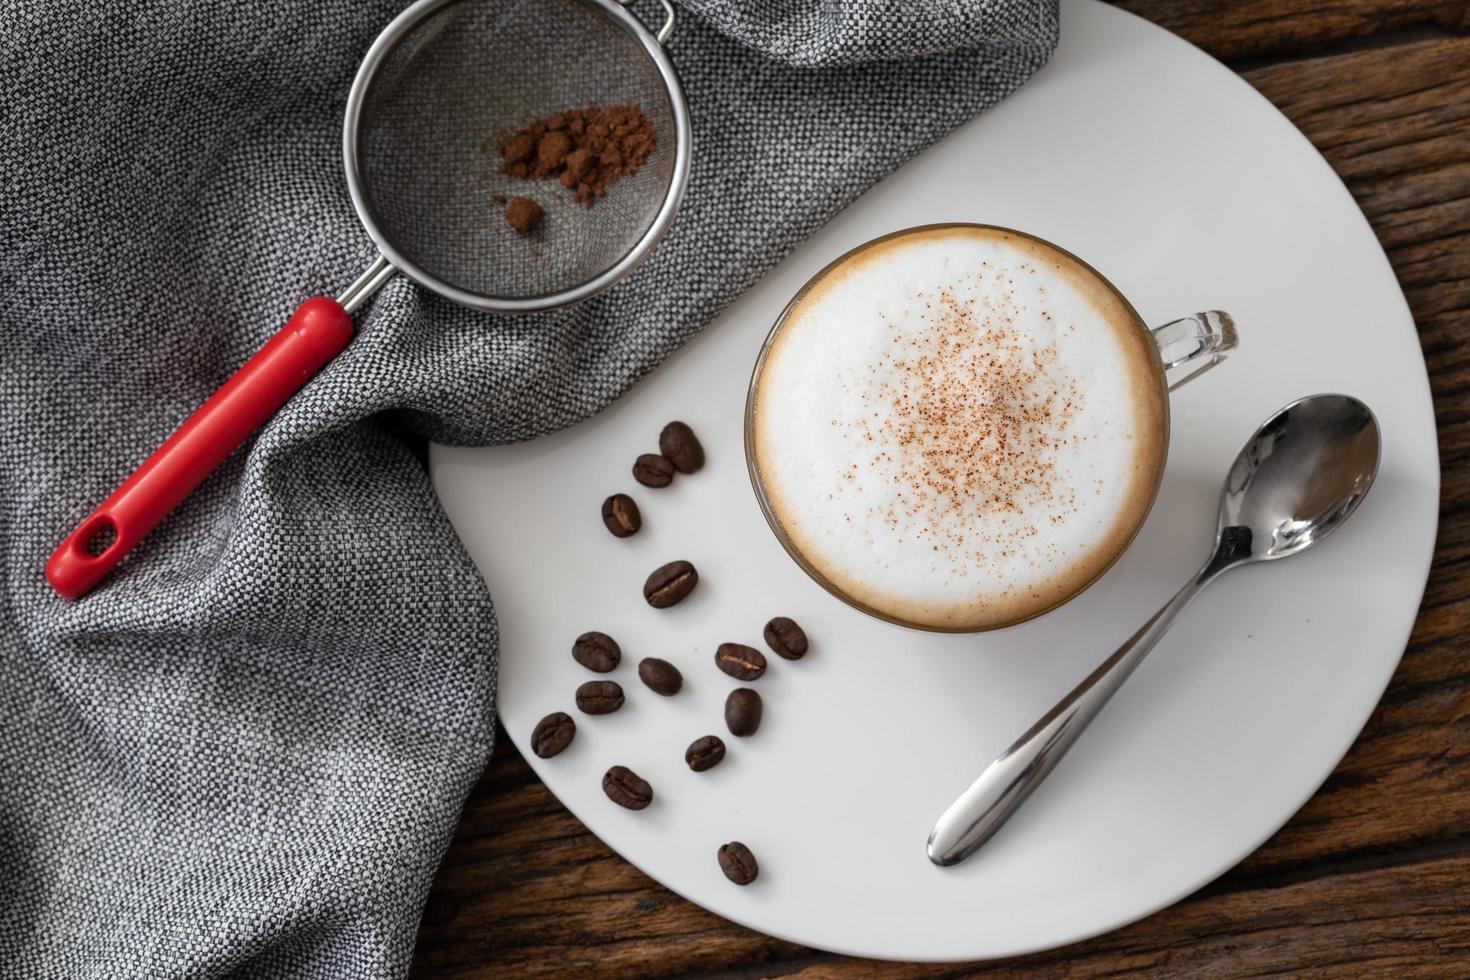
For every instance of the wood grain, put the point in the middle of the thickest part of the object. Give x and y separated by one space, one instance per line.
1406 923
1370 878
1257 28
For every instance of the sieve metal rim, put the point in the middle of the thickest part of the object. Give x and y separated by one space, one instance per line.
403 25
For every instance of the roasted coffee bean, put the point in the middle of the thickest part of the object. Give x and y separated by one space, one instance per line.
621 516
785 638
738 863
553 734
743 711
740 661
704 753
626 788
661 676
653 470
597 651
670 584
677 442
600 697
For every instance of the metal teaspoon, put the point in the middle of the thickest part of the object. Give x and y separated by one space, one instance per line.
1299 477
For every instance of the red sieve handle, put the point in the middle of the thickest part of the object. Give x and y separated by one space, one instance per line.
319 329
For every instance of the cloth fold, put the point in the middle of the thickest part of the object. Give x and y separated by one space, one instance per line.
244 753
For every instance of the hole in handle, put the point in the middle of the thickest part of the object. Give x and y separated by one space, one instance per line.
99 536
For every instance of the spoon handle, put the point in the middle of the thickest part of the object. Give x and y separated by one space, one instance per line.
982 809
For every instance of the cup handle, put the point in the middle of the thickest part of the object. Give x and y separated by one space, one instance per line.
1192 345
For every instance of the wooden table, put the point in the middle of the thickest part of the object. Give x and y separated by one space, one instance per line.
1373 875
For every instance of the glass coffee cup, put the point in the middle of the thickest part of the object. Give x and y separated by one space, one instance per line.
960 427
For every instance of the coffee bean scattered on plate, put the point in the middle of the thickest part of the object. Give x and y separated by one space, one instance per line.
553 734
785 638
620 514
670 584
677 442
626 788
661 676
600 697
705 752
597 651
743 711
653 470
740 661
738 863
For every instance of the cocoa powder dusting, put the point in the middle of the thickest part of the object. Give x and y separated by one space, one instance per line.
972 418
585 149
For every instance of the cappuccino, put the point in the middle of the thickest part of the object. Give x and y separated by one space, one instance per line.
958 427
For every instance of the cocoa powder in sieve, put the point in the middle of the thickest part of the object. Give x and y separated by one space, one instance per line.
586 149
523 214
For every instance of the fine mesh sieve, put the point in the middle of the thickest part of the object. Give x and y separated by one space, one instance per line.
437 91
435 94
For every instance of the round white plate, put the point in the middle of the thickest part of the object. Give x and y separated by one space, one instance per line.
1189 191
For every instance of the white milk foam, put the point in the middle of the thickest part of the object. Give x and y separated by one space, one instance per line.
960 427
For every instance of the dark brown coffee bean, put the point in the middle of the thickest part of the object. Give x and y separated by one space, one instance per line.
677 442
661 676
705 753
653 470
743 711
553 734
597 651
738 863
621 516
785 638
670 584
740 661
626 788
600 697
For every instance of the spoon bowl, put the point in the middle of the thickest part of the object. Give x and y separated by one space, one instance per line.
1301 475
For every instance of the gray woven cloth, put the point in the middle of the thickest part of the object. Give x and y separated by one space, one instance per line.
244 754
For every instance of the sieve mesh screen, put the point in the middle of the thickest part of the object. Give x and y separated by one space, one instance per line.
431 122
